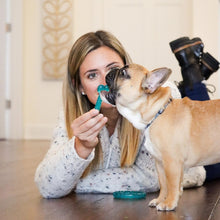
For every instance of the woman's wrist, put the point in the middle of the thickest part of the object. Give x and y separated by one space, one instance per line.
81 150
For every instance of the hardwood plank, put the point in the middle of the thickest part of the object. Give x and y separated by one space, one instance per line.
20 198
215 215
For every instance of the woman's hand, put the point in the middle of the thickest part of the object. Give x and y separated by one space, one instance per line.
86 129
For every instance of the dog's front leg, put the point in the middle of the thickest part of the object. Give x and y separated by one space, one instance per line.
173 172
163 186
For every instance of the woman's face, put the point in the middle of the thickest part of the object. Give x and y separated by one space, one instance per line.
94 69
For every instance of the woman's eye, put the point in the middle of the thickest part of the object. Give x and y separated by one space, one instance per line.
92 75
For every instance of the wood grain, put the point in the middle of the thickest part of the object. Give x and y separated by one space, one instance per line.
20 198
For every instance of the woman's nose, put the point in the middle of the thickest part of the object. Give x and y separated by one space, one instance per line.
103 81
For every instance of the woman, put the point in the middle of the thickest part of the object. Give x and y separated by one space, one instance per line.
92 151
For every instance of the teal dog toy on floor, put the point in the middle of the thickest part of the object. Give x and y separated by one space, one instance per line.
99 100
129 195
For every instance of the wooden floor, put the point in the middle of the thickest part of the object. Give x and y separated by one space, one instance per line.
20 199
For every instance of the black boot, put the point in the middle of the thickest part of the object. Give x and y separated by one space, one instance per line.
197 47
188 61
208 65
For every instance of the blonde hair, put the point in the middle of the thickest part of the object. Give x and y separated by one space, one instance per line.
75 104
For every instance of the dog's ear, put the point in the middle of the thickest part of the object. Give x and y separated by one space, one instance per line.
155 79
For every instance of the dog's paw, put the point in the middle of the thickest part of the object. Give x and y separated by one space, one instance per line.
153 203
166 206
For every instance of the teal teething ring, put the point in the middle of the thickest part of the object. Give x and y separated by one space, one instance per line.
99 100
129 195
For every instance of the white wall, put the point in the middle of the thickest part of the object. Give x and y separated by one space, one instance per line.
206 25
42 99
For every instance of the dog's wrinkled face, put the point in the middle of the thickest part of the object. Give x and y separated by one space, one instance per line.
130 87
124 82
129 83
112 81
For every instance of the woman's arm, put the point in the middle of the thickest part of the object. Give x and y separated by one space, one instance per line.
175 93
60 170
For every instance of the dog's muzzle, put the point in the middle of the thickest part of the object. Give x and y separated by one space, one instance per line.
111 81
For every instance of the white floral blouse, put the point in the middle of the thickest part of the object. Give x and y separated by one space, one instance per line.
60 171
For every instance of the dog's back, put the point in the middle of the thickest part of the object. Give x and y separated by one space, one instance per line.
193 127
205 130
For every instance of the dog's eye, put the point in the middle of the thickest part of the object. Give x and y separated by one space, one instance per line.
124 74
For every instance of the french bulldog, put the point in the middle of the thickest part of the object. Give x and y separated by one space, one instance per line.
184 133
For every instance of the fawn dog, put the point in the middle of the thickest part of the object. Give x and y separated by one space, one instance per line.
184 133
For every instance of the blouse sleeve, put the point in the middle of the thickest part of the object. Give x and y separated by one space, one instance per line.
174 90
61 168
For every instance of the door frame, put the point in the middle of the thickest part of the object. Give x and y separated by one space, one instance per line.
14 83
3 46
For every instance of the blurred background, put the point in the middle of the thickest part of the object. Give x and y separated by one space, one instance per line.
31 92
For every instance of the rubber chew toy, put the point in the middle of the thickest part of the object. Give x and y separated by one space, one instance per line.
99 100
129 195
